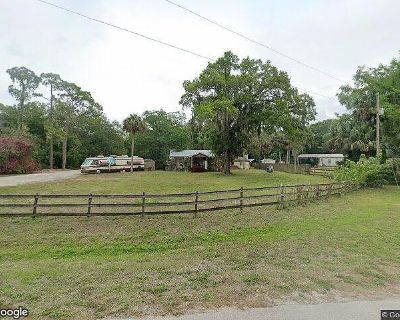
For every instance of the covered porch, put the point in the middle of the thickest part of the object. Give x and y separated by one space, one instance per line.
190 160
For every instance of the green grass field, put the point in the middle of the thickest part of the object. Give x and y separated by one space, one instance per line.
163 182
71 267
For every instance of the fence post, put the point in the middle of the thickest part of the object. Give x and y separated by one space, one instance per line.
299 193
342 184
143 203
317 192
196 204
89 208
35 205
337 188
282 196
241 199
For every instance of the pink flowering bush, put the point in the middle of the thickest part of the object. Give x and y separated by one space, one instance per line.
16 155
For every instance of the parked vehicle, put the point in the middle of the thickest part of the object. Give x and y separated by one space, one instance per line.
111 163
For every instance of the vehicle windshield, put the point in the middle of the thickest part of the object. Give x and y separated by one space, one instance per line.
87 162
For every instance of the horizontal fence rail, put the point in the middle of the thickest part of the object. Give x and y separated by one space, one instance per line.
321 171
12 205
299 168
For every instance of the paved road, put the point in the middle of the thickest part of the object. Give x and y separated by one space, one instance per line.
17 179
358 310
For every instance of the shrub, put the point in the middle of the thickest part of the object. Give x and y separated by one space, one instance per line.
16 155
366 172
395 164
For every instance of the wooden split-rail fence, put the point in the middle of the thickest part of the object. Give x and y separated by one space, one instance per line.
13 205
321 171
300 168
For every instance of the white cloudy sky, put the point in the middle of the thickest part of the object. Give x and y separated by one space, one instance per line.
128 74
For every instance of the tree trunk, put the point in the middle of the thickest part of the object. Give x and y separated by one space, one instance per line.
227 162
64 151
21 109
21 118
288 156
132 149
51 153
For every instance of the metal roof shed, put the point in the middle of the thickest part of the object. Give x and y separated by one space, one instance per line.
324 159
195 160
190 153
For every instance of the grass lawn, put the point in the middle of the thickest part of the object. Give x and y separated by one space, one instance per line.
78 267
163 182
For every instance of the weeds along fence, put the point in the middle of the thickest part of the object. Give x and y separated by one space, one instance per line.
321 171
12 205
284 167
300 168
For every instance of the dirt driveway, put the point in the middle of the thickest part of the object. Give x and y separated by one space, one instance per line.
56 175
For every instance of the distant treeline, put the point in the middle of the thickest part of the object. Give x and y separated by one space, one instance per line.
235 104
64 124
236 107
354 133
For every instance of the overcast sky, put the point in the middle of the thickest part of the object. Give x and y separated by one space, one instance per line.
129 74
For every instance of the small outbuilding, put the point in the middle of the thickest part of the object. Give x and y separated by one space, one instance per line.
268 161
321 159
190 160
243 163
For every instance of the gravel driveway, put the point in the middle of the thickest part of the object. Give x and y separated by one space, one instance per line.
13 180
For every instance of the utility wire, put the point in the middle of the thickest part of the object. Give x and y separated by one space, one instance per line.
125 29
146 37
316 93
255 41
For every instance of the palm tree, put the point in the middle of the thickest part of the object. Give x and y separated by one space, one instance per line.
133 125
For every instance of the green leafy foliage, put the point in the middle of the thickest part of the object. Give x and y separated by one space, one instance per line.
344 134
133 125
166 131
367 172
354 133
232 100
23 87
68 127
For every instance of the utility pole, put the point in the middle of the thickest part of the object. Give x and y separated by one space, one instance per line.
51 142
378 146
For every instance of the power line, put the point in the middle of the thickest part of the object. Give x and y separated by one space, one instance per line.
145 36
317 94
255 41
125 29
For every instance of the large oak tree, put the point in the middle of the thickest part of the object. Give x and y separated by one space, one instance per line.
234 99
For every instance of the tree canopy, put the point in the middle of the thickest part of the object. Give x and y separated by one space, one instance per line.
354 133
133 125
23 87
166 131
52 112
232 100
236 106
